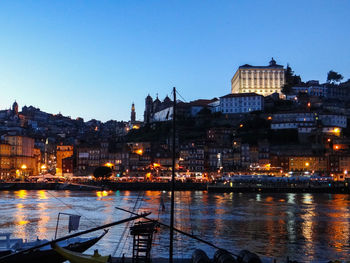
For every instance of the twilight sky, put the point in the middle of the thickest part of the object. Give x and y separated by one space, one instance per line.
94 58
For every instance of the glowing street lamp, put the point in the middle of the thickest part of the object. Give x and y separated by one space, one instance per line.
109 165
23 168
336 131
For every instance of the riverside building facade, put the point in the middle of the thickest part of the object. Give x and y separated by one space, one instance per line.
263 80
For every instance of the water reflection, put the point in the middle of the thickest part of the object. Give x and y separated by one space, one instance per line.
44 218
291 198
302 226
42 194
21 194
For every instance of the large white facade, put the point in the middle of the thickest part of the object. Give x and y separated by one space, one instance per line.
263 80
241 103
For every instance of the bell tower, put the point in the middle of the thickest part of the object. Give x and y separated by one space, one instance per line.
15 108
133 113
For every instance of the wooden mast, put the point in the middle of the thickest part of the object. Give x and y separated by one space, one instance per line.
172 183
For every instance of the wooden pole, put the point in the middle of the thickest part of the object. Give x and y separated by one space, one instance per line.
58 220
173 183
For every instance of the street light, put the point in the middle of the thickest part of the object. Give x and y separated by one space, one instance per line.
23 168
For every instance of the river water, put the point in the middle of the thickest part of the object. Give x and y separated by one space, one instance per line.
305 227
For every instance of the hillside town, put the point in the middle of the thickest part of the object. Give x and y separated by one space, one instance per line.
269 122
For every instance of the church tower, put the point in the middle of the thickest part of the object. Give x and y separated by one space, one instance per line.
133 113
15 108
148 109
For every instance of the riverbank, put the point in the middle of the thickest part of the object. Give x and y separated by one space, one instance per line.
48 186
241 187
282 187
114 186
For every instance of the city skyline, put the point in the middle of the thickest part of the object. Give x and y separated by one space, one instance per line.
92 60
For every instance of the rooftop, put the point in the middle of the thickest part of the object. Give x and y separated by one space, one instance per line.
237 95
272 64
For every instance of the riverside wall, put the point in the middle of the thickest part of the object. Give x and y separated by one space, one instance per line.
277 187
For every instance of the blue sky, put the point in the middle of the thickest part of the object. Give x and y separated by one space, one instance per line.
94 58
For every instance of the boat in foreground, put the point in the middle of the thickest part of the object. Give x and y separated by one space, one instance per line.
76 257
46 253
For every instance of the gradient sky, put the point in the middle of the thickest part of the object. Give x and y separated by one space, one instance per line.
94 58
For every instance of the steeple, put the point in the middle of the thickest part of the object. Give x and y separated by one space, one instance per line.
133 113
15 108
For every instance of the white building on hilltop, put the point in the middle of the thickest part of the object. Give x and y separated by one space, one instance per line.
263 80
241 103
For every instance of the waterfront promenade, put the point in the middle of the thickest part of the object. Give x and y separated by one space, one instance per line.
292 186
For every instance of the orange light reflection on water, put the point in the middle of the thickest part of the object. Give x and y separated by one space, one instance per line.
42 194
308 223
20 218
44 220
22 194
22 222
338 230
101 193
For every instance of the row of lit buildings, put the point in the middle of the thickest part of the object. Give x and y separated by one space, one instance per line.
18 157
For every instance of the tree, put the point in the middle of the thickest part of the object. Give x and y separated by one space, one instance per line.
291 80
102 172
334 77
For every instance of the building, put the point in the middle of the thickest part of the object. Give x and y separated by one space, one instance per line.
308 163
191 158
133 113
157 111
67 165
241 103
15 108
63 152
153 107
306 122
22 160
5 161
263 80
313 90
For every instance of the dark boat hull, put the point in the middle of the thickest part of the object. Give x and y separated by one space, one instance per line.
51 256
